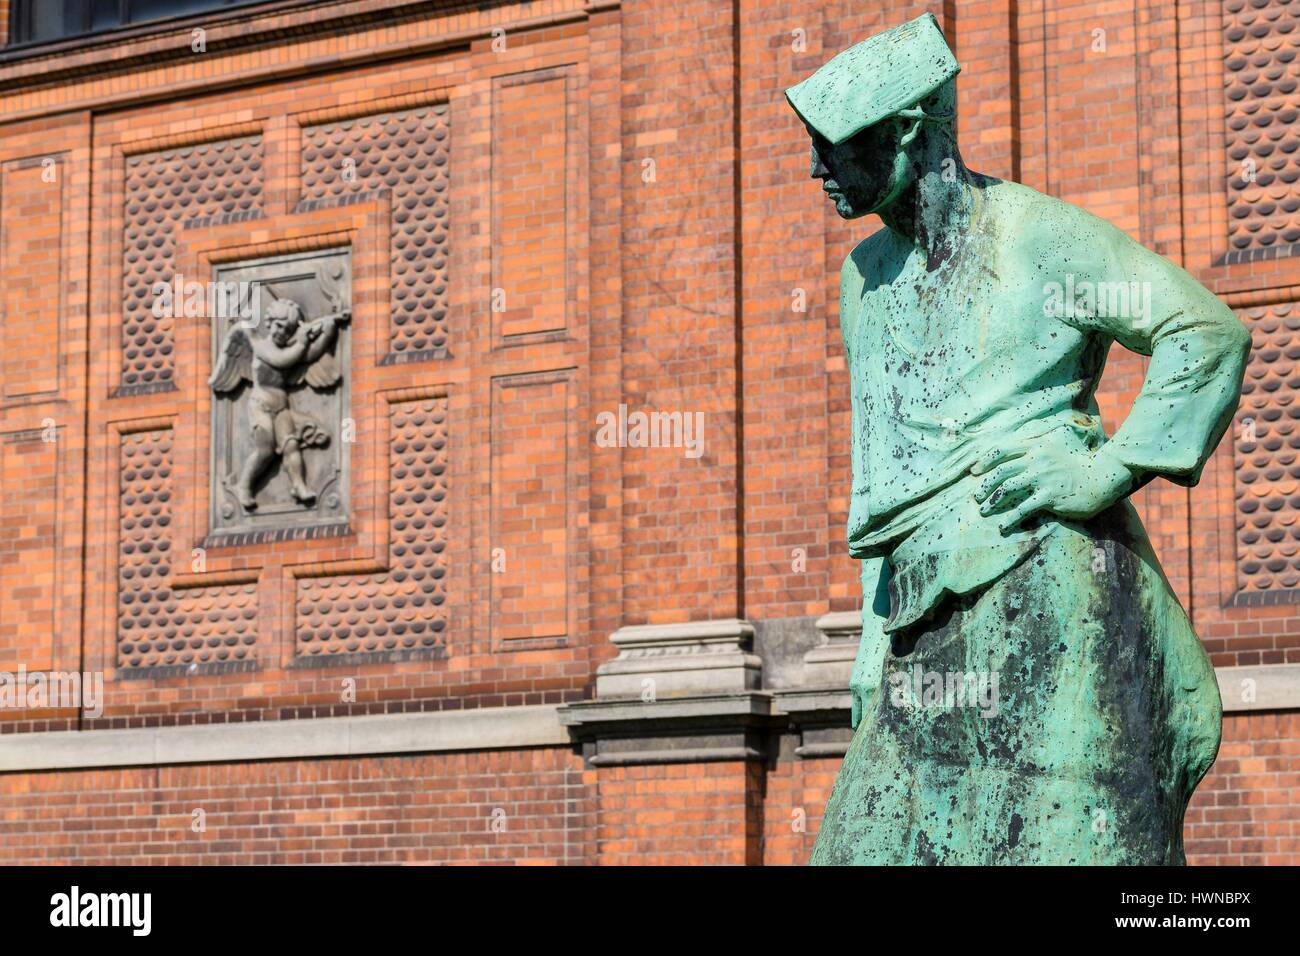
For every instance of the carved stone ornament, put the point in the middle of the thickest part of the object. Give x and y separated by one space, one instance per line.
281 394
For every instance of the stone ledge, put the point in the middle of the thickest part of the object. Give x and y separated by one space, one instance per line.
721 726
494 728
702 727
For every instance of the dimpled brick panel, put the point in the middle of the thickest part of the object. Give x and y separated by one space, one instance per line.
403 609
1267 459
157 627
406 155
164 190
1261 77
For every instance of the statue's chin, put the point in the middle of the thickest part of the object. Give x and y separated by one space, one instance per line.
846 209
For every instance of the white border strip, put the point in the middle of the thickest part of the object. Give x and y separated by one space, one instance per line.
490 728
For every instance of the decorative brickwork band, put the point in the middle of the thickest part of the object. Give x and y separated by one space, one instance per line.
166 190
158 628
1262 103
405 155
400 612
1266 439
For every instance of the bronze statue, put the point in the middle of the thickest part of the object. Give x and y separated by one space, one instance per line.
989 507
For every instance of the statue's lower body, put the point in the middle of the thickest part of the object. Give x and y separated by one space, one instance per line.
1106 717
278 432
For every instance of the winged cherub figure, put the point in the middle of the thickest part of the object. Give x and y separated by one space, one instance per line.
291 353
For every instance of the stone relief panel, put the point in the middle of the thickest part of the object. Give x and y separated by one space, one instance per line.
281 383
405 155
184 631
401 612
165 190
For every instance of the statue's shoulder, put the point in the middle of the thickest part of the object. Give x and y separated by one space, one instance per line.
861 268
1036 223
863 263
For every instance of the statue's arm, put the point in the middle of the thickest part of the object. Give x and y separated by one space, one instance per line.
281 358
868 665
323 339
1198 349
852 282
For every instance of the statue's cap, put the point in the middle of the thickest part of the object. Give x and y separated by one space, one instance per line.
875 79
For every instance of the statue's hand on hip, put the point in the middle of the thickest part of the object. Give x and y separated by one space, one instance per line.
863 683
1052 473
868 667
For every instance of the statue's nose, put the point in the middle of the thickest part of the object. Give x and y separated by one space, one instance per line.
818 167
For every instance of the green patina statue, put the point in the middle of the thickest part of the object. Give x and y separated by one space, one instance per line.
1028 688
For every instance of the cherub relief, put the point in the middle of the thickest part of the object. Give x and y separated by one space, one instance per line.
278 362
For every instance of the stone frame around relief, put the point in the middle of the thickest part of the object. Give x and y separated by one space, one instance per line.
320 282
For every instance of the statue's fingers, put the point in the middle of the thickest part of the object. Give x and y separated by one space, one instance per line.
996 456
1009 492
1035 502
998 475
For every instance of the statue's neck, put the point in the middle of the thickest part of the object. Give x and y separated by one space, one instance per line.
936 208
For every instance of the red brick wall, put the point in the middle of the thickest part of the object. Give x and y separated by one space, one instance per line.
1245 811
681 814
501 807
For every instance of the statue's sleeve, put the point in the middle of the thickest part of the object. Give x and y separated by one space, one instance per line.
1198 351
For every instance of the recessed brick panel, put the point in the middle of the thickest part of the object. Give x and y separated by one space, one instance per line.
530 507
529 239
156 626
1267 454
405 155
28 549
404 608
31 276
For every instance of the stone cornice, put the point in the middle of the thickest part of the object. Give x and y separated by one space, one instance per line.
495 728
727 725
154 62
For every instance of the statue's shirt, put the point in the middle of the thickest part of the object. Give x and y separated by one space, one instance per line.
1001 341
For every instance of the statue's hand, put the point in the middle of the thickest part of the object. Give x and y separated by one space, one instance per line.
1053 473
868 666
862 684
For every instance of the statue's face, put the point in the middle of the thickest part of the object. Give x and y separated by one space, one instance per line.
283 328
862 174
